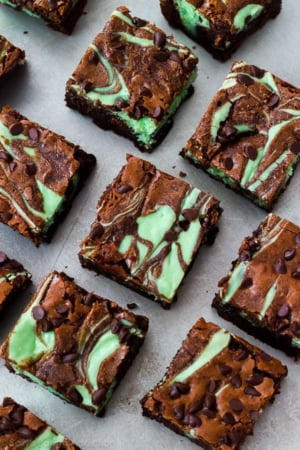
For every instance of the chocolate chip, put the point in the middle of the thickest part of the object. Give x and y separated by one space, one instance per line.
158 112
74 396
34 134
5 216
17 415
115 326
87 86
121 103
62 309
254 415
236 405
16 128
57 321
179 412
177 389
228 418
240 355
146 92
170 236
224 369
295 147
6 425
296 273
184 224
246 283
26 432
289 254
256 71
31 169
174 56
89 299
250 390
124 188
195 407
245 255
3 257
212 386
253 245
12 166
209 413
5 156
123 334
38 313
280 266
283 311
190 214
273 101
228 163
137 111
139 22
183 388
192 421
297 133
250 151
46 325
99 396
235 437
132 305
96 231
159 39
161 55
210 401
245 79
255 379
69 358
236 381
229 131
265 356
93 58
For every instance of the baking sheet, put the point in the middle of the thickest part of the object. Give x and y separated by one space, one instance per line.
38 92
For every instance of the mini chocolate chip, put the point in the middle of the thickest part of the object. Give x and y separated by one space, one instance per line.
195 407
295 147
89 299
7 401
74 396
240 355
297 239
273 101
174 392
236 381
3 257
146 92
236 405
99 396
296 273
161 55
254 415
235 437
212 386
87 86
190 214
256 71
245 79
159 39
246 283
210 401
115 326
17 415
38 313
16 128
228 418
121 103
34 134
228 163
283 311
178 411
57 321
6 425
224 369
253 245
250 151
280 266
31 169
93 58
265 356
26 432
182 174
229 131
132 305
123 334
69 358
192 421
245 255
96 231
170 236
174 56
139 22
209 413
5 216
183 387
137 111
255 379
158 112
250 390
289 254
62 309
124 188
5 156
46 325
184 224
12 166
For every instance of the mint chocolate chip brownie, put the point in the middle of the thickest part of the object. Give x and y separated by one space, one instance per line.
10 57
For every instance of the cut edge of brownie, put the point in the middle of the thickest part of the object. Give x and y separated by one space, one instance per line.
203 37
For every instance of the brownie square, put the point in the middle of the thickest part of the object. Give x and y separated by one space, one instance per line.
10 57
215 388
249 137
21 429
13 278
61 15
219 26
74 343
148 230
132 79
40 172
261 292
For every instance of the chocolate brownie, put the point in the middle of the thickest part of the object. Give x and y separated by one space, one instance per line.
40 172
261 292
215 389
132 79
13 277
219 26
60 15
148 230
249 137
74 343
21 429
10 57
